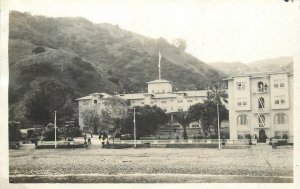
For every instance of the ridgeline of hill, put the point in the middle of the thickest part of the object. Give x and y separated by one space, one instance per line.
90 58
267 65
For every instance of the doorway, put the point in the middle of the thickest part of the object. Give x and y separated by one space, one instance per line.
262 136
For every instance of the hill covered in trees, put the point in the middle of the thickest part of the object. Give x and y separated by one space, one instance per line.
86 57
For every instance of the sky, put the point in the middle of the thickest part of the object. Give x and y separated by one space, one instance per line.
214 30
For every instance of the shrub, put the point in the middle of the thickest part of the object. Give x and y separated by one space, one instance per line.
38 50
14 131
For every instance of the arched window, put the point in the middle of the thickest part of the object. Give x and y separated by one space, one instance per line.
261 120
261 102
95 101
260 86
242 119
280 118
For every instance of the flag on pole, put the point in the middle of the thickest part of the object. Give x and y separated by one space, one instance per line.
159 57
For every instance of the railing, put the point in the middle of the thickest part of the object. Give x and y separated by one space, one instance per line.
188 141
262 89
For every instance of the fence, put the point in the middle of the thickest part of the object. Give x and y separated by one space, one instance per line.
189 141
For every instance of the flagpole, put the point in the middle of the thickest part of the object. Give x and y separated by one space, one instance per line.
159 73
219 137
134 127
55 129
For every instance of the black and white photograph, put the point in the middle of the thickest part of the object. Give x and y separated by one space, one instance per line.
149 92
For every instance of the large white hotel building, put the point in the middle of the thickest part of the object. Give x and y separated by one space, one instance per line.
261 105
160 93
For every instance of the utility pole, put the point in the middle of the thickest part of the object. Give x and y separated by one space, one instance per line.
134 127
55 129
219 126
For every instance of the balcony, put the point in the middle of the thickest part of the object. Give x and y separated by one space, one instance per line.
261 90
261 111
261 126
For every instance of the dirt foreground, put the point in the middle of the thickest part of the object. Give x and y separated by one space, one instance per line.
260 163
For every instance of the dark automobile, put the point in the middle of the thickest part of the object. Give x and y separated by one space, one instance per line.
281 143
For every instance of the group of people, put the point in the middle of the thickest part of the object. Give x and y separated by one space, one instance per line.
88 140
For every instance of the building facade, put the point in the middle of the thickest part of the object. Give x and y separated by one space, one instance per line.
160 93
94 102
261 105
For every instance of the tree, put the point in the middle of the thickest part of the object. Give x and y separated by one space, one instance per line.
114 112
206 112
69 130
91 117
184 120
148 120
38 50
217 93
48 96
14 131
180 44
49 133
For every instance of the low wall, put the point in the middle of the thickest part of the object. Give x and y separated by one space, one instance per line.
59 144
192 145
120 146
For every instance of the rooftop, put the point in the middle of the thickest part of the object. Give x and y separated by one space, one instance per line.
159 81
258 74
93 95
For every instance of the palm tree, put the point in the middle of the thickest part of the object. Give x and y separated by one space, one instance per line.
217 93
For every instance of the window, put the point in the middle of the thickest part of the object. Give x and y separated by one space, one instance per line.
179 101
281 134
279 100
241 86
95 101
243 134
261 102
190 100
163 102
279 83
151 102
261 87
241 102
261 120
242 119
280 118
180 109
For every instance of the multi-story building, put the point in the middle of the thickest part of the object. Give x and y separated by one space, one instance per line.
160 93
94 102
261 105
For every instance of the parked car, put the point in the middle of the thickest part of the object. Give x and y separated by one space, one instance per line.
281 143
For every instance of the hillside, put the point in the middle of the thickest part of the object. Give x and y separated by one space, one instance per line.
233 68
89 57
